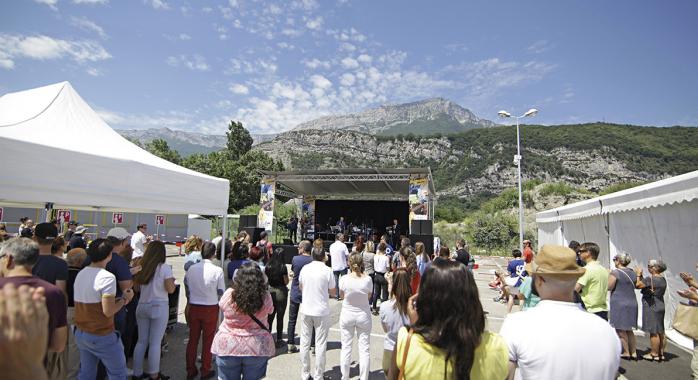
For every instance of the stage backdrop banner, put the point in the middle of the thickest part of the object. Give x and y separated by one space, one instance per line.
265 218
419 199
308 212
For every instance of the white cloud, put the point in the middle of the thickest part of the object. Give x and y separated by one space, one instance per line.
184 37
194 62
41 47
364 58
348 79
50 3
94 72
259 67
90 1
316 63
315 23
171 119
350 63
239 89
320 82
157 4
88 25
539 47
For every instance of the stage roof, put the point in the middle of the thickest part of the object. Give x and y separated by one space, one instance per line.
349 184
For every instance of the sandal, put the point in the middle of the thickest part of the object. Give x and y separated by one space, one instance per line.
651 357
633 356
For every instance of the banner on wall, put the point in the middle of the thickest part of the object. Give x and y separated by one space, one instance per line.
308 215
419 199
265 218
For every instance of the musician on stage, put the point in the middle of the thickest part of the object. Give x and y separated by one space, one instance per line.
292 227
395 239
342 224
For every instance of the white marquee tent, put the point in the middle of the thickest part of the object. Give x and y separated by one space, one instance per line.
658 220
55 148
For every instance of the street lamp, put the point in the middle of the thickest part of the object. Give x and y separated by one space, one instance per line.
517 161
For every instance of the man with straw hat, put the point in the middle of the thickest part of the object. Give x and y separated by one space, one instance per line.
546 342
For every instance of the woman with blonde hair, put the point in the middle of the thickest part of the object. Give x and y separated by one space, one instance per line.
156 282
623 306
356 290
423 259
192 249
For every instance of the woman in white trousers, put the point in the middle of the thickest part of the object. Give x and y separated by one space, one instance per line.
356 289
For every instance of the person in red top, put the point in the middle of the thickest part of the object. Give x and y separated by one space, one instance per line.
528 251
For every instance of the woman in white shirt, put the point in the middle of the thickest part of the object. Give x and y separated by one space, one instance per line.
394 313
381 265
356 289
156 281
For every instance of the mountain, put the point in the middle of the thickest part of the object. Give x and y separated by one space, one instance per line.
425 117
186 143
474 165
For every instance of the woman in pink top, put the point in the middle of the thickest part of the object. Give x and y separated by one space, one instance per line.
243 343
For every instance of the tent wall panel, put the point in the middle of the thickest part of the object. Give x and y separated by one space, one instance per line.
549 233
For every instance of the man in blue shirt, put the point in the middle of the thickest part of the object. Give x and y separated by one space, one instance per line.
517 272
302 259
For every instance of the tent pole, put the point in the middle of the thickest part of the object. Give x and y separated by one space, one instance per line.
225 237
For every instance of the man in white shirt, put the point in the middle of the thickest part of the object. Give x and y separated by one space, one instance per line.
205 284
315 280
548 341
139 240
339 255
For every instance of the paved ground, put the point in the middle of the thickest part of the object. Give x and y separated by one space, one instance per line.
287 366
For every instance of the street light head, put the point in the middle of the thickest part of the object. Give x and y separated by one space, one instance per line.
531 112
503 113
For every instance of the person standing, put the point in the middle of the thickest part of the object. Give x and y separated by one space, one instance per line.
527 251
653 288
156 282
356 288
139 240
623 309
49 268
95 305
277 274
72 225
297 263
462 254
691 294
393 314
593 285
536 349
243 343
17 257
292 227
339 255
381 266
77 239
368 254
423 259
205 283
315 280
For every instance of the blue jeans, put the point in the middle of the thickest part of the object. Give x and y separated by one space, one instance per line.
152 321
241 367
337 275
95 348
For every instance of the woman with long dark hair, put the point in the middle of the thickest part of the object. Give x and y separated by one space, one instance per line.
394 313
238 257
155 281
447 339
277 274
243 343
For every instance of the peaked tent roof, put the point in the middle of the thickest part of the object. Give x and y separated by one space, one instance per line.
55 148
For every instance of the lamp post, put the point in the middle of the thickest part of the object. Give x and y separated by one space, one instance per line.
517 161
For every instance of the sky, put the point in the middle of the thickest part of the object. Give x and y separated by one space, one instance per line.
194 65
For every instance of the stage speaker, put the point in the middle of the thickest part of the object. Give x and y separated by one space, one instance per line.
248 221
253 232
288 251
421 227
427 240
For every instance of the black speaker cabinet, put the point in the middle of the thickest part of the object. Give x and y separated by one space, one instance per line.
253 232
421 227
248 221
427 240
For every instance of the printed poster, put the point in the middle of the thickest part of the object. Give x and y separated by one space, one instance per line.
265 218
419 199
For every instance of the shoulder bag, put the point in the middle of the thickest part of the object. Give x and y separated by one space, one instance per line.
262 325
401 376
686 320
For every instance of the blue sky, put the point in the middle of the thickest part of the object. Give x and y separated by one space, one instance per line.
194 65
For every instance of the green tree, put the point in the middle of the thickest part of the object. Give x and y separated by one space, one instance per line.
239 140
160 148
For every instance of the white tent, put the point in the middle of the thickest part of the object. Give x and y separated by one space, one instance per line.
658 220
55 148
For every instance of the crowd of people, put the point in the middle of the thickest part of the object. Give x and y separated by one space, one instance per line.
99 304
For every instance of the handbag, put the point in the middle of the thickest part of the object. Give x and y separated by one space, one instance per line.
401 376
686 320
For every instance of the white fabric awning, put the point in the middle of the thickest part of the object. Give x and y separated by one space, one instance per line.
55 148
682 188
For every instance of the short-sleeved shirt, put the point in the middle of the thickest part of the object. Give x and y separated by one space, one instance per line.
463 256
91 285
339 254
55 300
192 258
51 269
526 288
204 282
297 263
155 291
118 266
138 241
393 320
528 254
516 268
356 292
316 279
594 287
235 265
381 263
425 361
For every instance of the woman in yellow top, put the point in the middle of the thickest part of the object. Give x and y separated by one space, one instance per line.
448 339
